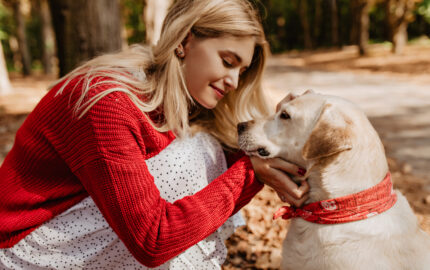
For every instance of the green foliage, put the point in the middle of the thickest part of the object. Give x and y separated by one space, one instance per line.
281 21
424 10
34 36
7 28
133 17
421 25
284 29
377 24
6 22
283 26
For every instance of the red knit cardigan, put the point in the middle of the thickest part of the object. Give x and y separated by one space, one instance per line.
58 160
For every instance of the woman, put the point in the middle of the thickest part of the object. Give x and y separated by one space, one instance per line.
94 178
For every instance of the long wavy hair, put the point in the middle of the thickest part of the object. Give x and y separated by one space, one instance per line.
161 81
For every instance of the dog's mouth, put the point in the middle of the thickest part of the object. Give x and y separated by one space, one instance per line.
251 148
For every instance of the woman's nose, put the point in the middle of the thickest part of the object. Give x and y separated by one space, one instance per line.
232 79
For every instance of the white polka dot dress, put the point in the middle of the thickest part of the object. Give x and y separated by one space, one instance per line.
80 238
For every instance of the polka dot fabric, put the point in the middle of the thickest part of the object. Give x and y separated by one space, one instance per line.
80 238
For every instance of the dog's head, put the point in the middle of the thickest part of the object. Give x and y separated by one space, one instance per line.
328 136
306 127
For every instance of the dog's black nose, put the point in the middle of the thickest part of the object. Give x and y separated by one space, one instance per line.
241 127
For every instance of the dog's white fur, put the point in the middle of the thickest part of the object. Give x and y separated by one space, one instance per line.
343 154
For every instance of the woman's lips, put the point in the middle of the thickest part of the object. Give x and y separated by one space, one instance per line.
218 91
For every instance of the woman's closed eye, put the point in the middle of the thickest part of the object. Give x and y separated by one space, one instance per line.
227 63
230 64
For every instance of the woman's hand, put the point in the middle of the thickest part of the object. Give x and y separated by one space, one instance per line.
274 173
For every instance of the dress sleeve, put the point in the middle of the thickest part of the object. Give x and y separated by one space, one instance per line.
115 144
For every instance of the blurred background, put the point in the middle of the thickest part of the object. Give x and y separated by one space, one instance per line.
375 53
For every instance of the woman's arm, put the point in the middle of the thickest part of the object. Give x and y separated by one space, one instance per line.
119 182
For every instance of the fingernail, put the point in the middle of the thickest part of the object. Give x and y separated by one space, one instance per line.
301 171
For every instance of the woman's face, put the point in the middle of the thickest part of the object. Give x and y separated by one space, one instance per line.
212 66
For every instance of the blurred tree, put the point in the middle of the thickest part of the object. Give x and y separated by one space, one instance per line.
5 31
304 19
317 20
424 10
85 29
322 23
399 14
334 23
5 86
360 24
134 26
377 23
420 27
21 35
46 34
154 14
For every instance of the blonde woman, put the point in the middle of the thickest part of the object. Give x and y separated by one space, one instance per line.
129 161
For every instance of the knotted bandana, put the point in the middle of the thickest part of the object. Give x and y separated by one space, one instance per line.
358 206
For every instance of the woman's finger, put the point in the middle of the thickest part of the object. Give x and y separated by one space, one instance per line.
286 166
278 179
304 186
299 202
282 182
292 201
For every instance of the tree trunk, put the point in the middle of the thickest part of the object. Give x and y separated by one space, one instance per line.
304 18
153 15
5 86
398 15
48 40
360 24
353 35
22 37
317 22
400 38
124 37
334 23
85 29
363 38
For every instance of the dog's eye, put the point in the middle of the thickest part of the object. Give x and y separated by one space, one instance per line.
284 115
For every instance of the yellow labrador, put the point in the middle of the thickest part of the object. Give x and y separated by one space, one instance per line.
343 155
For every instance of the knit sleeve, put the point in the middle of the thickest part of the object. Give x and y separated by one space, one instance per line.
233 156
117 178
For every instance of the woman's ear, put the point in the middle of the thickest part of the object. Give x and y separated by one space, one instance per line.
186 42
183 47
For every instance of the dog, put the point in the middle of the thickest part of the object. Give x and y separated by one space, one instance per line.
345 161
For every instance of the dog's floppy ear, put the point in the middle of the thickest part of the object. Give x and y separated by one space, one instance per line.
287 98
330 135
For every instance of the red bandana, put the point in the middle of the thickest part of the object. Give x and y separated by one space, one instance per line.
361 205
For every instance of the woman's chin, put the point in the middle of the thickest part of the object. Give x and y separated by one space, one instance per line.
208 104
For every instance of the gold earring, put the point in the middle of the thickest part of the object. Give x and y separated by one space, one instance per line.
179 53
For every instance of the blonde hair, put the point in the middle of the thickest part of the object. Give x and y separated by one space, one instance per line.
164 85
